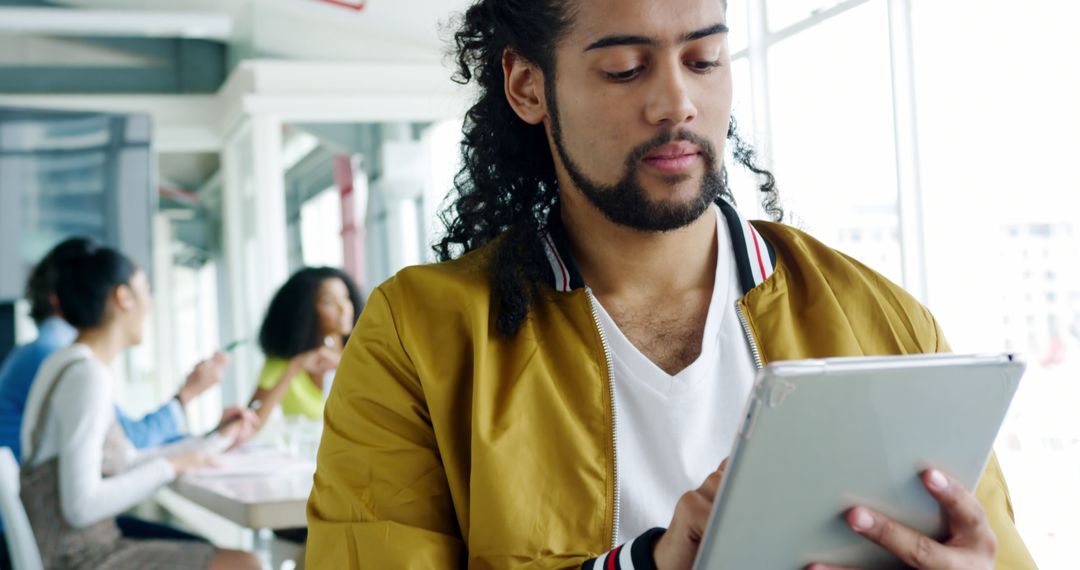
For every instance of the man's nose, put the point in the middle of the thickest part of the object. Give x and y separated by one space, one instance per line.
670 104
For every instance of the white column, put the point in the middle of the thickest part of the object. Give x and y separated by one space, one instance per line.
909 189
256 252
269 193
234 164
165 368
404 171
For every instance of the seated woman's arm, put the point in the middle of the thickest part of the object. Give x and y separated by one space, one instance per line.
211 444
84 410
278 374
274 381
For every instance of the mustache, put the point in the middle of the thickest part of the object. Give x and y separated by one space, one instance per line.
708 150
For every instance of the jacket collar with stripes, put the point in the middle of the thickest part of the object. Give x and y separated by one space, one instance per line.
755 257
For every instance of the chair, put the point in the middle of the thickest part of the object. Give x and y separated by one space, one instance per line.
22 547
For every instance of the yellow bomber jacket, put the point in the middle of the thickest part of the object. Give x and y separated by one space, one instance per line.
449 446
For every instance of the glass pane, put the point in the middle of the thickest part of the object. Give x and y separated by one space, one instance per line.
742 104
744 185
999 133
60 167
783 13
65 196
832 125
736 22
320 229
65 174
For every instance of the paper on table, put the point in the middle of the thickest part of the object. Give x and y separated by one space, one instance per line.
255 462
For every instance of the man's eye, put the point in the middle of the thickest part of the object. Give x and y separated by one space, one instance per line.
624 75
704 65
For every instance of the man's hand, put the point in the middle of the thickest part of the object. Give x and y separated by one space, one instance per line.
205 374
678 546
971 545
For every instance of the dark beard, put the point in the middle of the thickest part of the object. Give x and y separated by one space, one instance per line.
627 203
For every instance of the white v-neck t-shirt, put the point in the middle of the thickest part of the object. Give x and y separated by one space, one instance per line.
673 431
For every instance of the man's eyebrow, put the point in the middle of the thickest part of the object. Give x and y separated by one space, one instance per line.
632 40
705 32
611 41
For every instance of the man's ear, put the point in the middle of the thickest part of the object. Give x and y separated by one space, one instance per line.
524 84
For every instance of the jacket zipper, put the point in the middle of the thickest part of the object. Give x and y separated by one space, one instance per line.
749 336
614 424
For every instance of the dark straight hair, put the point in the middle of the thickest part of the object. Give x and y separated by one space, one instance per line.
86 279
41 286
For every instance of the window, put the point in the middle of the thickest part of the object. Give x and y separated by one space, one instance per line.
996 121
978 100
738 37
320 229
784 13
831 104
744 185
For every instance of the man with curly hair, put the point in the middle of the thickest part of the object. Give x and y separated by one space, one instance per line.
560 390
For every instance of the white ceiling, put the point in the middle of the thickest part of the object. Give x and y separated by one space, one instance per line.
385 30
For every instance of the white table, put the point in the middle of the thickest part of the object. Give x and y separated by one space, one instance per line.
273 499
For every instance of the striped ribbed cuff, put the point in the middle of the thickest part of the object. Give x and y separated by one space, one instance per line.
634 555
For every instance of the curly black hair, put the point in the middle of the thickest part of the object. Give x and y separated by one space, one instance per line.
291 325
507 188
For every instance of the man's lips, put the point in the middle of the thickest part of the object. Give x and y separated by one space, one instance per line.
674 158
673 150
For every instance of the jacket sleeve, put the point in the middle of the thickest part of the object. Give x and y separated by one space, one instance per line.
156 428
381 497
993 495
634 555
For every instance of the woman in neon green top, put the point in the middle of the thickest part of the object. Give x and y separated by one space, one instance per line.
302 335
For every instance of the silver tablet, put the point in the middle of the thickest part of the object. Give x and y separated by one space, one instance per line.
821 436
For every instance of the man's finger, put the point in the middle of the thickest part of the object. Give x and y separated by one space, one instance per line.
712 483
911 547
692 512
709 487
966 517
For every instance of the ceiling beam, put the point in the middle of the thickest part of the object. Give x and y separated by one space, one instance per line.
125 23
